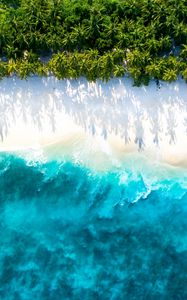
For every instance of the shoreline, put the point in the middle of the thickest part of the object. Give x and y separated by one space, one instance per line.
108 119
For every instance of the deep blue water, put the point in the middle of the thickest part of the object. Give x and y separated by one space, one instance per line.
67 232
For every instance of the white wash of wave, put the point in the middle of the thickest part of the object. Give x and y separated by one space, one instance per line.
97 121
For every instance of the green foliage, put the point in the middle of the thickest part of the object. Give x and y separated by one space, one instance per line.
184 52
94 38
166 69
3 70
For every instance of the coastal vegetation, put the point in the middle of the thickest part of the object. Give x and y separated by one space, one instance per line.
97 39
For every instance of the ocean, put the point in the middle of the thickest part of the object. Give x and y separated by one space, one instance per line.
70 232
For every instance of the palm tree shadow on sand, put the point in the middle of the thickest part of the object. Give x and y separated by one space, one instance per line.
101 109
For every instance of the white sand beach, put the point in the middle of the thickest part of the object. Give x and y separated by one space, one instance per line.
99 122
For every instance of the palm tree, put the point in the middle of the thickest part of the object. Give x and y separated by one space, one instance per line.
3 70
165 43
170 75
90 65
78 36
118 71
93 26
152 45
154 70
183 53
11 51
119 56
184 73
180 32
110 32
58 65
11 67
106 64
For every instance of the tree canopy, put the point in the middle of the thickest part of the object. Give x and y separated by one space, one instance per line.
94 38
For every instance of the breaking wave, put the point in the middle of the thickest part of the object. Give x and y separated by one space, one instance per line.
69 232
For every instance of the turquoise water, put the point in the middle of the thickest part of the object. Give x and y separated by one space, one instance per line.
68 232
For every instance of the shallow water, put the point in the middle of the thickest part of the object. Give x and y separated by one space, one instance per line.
69 232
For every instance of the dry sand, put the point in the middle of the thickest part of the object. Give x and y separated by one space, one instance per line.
97 122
